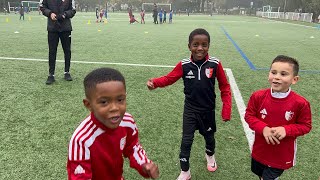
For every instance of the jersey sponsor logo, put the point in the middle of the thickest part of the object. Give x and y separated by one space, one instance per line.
209 72
209 129
123 142
79 170
263 113
289 115
190 77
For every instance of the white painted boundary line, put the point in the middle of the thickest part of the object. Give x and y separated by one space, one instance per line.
85 62
241 107
234 87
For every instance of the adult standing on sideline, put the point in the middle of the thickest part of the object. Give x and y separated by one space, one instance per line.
21 12
155 14
59 13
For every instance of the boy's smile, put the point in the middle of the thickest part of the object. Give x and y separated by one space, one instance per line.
199 47
108 103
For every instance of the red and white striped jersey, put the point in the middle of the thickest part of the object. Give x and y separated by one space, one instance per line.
96 152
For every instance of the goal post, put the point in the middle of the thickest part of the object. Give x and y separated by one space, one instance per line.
32 5
148 7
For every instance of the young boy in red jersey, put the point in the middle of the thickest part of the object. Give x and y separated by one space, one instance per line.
108 134
133 20
199 73
142 14
278 116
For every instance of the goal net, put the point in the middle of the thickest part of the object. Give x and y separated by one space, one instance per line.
32 5
148 7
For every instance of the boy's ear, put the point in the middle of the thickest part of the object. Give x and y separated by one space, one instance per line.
87 104
295 79
189 47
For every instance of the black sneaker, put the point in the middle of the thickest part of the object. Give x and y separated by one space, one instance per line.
67 77
50 80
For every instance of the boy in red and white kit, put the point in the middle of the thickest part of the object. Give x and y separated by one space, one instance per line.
108 134
278 116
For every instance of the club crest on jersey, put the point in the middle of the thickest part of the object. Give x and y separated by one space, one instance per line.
123 142
209 72
289 115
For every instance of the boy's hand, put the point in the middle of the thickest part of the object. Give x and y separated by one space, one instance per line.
150 84
151 169
279 132
269 136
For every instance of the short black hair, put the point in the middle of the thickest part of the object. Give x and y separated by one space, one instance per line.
101 75
290 60
199 31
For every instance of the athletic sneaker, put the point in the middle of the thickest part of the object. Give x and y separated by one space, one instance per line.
184 175
211 163
67 76
50 80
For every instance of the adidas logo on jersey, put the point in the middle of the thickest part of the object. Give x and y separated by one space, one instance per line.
79 170
190 73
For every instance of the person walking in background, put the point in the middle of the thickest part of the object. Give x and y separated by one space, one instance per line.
199 73
108 134
59 26
278 116
21 12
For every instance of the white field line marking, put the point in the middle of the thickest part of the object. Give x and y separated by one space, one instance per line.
241 107
291 23
234 87
86 62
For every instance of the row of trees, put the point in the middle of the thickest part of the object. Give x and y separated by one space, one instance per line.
310 6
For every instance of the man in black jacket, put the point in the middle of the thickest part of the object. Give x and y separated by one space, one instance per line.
59 13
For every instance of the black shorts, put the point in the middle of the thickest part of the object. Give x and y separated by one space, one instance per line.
266 172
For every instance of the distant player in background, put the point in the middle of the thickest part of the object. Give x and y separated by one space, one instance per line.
160 16
278 116
21 12
101 15
155 14
130 12
133 20
164 16
97 14
142 14
170 16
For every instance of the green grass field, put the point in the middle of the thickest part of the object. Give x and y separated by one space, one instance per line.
37 120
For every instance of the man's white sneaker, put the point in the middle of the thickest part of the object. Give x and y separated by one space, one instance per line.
211 163
184 175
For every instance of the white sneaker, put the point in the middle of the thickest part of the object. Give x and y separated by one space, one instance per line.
211 163
184 175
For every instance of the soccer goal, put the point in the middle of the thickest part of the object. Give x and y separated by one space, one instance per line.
13 6
32 5
148 7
